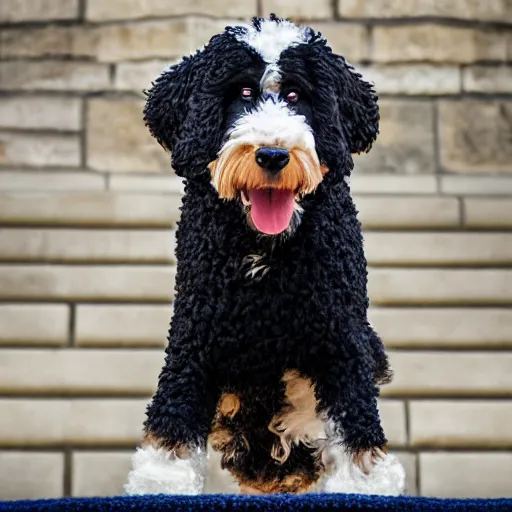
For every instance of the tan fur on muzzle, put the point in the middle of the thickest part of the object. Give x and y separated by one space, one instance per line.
236 170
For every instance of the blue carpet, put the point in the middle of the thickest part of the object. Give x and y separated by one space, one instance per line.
285 503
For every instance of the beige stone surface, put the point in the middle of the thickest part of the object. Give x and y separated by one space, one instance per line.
406 142
79 372
147 183
408 461
40 112
91 468
99 10
156 39
413 79
137 76
53 75
347 39
429 42
466 475
321 9
31 475
468 423
471 185
490 213
80 422
392 183
34 324
122 325
407 212
38 10
444 249
487 80
475 135
57 180
88 283
117 139
439 286
450 374
86 246
48 41
487 10
443 327
392 414
39 150
89 209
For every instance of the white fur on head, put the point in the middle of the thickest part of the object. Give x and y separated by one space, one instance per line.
273 38
157 471
272 123
387 476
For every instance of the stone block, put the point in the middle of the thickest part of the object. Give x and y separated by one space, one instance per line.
429 42
488 213
461 424
156 39
34 324
439 286
87 283
406 141
117 139
475 136
75 41
41 150
111 422
99 10
31 475
50 180
40 113
443 249
407 212
449 374
484 79
80 372
52 75
12 11
115 325
489 10
90 209
443 327
86 246
466 475
347 39
419 79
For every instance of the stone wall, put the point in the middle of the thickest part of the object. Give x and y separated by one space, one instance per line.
88 205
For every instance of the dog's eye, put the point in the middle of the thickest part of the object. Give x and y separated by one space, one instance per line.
292 97
247 93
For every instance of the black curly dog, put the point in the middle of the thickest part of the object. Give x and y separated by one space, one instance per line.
270 351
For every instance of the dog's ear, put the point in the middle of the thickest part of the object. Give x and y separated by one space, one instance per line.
182 118
357 105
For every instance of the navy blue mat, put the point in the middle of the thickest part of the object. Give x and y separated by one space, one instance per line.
286 503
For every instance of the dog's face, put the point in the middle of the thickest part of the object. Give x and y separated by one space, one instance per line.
268 110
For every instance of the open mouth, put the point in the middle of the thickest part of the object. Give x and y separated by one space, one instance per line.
271 209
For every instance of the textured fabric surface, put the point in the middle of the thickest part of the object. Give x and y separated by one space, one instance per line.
280 502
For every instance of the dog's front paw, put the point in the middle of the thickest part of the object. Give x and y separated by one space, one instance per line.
368 472
158 471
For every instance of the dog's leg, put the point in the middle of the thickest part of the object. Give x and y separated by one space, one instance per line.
347 390
173 455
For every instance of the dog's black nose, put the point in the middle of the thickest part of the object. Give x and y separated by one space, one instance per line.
272 160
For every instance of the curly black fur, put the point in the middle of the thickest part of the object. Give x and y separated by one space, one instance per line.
233 334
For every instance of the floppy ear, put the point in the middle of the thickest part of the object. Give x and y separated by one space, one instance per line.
183 118
357 104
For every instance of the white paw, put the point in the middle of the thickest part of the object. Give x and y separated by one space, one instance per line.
387 476
157 471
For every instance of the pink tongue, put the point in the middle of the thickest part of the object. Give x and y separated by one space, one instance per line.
271 209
